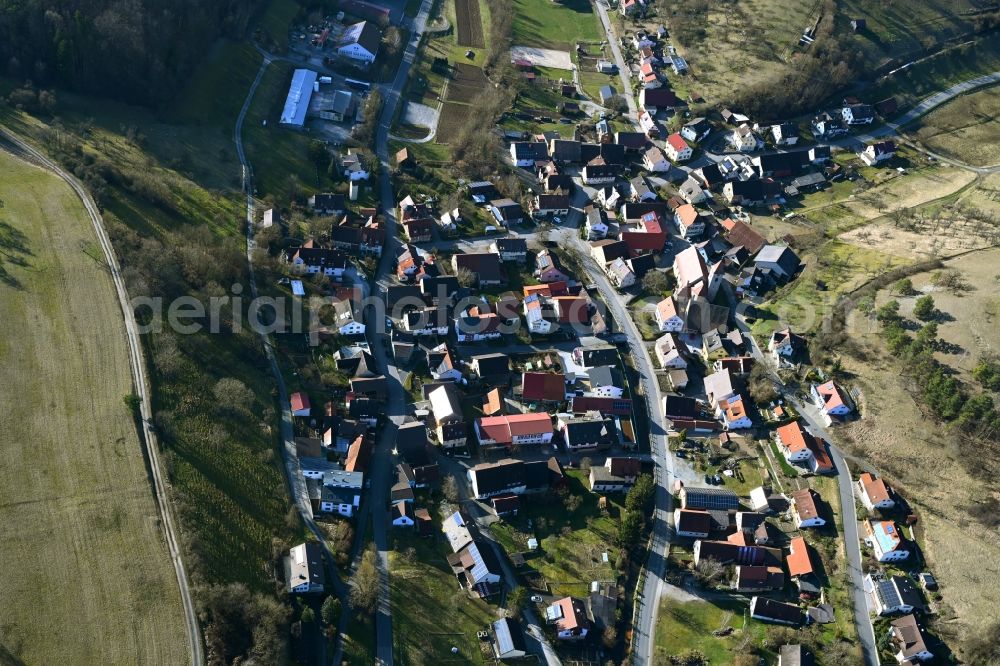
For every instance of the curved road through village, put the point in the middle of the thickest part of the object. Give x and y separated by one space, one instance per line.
141 387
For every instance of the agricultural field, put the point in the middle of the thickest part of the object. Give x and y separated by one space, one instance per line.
903 443
469 31
81 544
965 129
465 85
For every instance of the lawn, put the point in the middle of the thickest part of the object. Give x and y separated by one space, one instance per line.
689 625
430 613
82 546
965 129
572 541
276 21
216 91
555 25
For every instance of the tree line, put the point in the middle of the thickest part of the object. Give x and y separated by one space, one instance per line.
140 52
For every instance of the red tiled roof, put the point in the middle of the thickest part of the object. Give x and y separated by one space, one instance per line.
799 563
677 142
529 424
299 401
794 437
874 487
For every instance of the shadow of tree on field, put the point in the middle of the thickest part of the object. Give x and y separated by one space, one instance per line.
14 251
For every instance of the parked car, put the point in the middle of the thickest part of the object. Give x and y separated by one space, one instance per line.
536 598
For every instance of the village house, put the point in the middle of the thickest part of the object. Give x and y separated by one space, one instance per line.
510 249
732 413
616 475
472 560
689 223
805 510
667 318
534 314
694 523
691 191
886 541
743 192
506 212
514 429
858 114
908 641
484 266
402 514
826 126
304 570
596 224
875 153
785 346
525 154
710 499
677 148
799 561
785 134
299 402
508 640
315 260
743 139
735 551
655 99
428 321
599 173
491 369
892 595
798 446
352 167
543 387
696 129
620 274
874 493
668 353
548 268
829 399
360 42
654 160
647 123
569 615
590 431
775 612
549 205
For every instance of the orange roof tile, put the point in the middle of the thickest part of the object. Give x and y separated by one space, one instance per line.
799 563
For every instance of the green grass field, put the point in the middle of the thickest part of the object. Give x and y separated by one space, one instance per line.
689 625
965 129
430 614
87 576
555 25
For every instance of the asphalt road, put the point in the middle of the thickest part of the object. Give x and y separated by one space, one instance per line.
141 388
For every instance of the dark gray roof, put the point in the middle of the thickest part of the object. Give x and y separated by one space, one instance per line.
710 498
796 655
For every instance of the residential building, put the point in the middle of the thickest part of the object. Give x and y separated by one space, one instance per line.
743 139
677 149
874 492
908 640
829 399
653 99
886 541
599 173
858 114
315 260
484 266
402 514
805 510
735 551
720 386
569 615
616 475
299 403
654 160
548 268
800 447
543 387
749 579
779 259
581 404
535 316
492 369
667 318
689 223
712 499
786 346
590 357
696 129
591 431
606 382
785 134
620 274
798 560
668 354
510 249
596 224
360 42
775 612
732 413
743 192
876 153
514 429
304 570
695 523
692 191
506 212
893 595
525 154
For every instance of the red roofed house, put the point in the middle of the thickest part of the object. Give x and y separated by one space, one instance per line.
514 429
874 492
799 446
677 148
572 309
829 399
798 561
569 616
740 234
543 387
689 222
805 511
667 318
300 404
